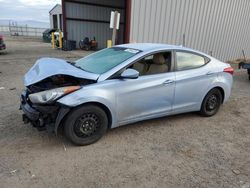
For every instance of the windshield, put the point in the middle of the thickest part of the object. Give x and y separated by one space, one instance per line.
104 60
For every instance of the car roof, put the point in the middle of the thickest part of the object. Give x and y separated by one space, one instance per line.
151 46
147 47
49 31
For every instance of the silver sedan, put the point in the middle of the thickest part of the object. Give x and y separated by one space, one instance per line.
121 85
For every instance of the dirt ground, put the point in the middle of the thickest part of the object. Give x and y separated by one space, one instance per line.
179 151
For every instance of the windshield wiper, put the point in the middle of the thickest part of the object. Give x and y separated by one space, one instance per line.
74 64
71 62
77 66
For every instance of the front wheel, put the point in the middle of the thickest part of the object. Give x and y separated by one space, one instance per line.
85 125
211 103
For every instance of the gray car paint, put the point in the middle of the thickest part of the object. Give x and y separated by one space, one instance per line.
151 96
132 100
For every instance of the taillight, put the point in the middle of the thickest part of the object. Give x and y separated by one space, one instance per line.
229 70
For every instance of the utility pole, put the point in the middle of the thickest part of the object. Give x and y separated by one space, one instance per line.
114 24
114 29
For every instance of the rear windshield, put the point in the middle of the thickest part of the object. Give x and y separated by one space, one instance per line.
104 60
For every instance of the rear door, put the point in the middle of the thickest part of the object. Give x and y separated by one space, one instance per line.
194 74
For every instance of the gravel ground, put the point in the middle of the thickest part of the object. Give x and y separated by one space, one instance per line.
178 151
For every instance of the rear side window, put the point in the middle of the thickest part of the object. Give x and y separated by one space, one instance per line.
189 61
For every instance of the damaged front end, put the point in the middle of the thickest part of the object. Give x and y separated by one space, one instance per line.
39 100
40 116
47 81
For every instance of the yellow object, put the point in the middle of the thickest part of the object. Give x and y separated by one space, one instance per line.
53 40
109 43
60 40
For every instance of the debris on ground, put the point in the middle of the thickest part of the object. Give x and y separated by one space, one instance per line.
235 171
64 147
13 172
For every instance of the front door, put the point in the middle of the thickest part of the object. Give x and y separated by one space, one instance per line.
145 97
151 94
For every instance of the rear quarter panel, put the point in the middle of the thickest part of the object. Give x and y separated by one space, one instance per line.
223 79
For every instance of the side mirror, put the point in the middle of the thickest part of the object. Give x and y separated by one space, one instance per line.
130 74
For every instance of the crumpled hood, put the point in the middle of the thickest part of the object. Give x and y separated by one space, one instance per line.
46 67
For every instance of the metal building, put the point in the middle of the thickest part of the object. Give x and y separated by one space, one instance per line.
55 17
220 27
90 18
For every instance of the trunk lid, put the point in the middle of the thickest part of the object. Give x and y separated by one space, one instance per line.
47 67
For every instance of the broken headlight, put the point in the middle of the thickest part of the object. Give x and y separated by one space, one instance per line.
49 96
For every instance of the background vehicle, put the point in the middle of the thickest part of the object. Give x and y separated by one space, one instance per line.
121 85
245 65
87 44
47 35
2 44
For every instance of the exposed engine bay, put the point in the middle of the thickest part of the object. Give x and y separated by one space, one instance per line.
58 81
48 115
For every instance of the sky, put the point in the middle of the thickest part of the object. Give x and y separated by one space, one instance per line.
27 9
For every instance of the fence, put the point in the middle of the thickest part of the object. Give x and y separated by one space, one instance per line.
22 31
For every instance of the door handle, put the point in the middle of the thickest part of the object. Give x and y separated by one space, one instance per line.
168 82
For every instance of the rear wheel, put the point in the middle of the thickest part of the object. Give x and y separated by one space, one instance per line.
85 125
211 103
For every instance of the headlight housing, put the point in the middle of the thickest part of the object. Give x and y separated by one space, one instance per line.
49 96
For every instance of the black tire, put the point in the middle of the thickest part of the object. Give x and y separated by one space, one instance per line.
85 125
211 103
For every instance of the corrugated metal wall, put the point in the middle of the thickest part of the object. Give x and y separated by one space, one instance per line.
78 29
220 26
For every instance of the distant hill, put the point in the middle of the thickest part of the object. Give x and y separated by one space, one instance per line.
29 23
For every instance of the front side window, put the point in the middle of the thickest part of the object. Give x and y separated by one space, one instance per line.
188 61
154 64
104 60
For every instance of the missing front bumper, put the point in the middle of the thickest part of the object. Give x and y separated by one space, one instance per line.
41 117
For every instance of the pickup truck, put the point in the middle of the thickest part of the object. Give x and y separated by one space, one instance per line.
245 65
2 45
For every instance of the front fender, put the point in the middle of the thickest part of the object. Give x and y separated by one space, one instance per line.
61 114
84 96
